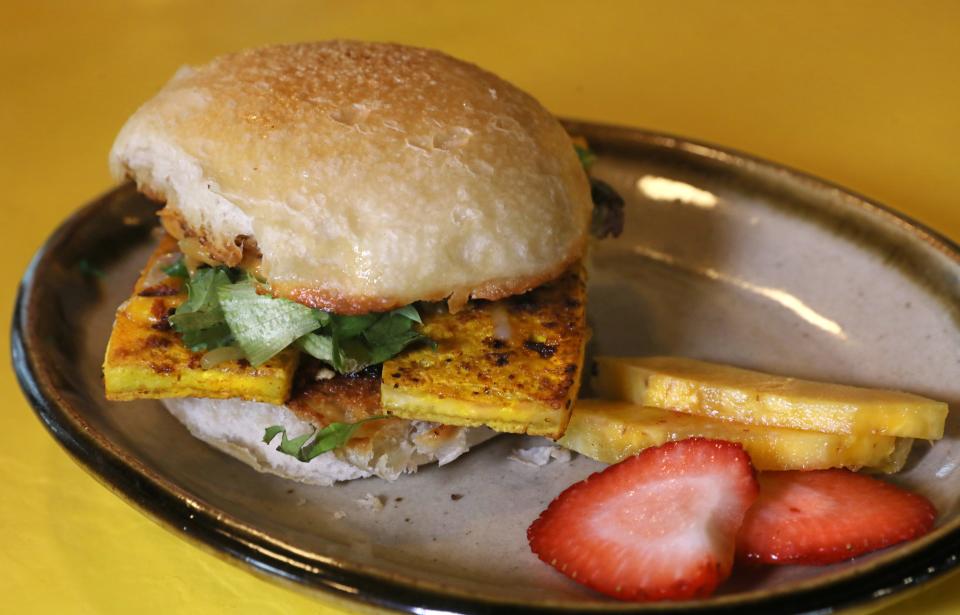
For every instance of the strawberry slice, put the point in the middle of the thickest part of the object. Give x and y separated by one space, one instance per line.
827 516
661 525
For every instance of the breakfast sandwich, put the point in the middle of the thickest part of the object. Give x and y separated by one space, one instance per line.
372 257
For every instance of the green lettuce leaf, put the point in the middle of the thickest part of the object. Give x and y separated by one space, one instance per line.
263 325
223 308
318 346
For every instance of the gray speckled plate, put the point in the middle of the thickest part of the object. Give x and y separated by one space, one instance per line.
724 257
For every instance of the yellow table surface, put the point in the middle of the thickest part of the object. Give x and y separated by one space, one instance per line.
866 94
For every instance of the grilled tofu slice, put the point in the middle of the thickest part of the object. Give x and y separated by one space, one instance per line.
146 359
513 365
744 396
610 431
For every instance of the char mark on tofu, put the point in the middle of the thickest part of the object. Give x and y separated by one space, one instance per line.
541 348
160 290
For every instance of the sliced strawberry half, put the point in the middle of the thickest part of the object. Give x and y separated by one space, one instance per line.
659 525
827 516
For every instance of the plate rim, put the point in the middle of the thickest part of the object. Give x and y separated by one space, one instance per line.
215 531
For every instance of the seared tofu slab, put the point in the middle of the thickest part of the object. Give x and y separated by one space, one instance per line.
146 359
513 365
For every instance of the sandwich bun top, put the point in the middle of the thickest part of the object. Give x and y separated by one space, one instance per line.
365 176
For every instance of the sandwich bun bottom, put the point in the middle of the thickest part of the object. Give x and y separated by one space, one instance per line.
395 447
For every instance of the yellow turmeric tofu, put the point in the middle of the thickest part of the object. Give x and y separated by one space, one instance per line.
744 396
146 359
513 365
610 431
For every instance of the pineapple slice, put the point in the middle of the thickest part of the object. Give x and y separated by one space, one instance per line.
744 396
513 365
146 359
613 430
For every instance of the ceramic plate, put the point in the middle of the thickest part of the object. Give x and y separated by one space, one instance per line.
724 257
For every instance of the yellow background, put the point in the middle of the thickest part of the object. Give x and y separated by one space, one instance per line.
866 94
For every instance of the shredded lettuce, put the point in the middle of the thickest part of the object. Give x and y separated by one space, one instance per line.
224 308
318 346
263 325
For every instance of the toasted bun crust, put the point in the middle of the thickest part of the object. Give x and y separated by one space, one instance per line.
385 448
368 176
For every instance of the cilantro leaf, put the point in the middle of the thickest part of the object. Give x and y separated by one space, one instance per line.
586 156
177 269
202 290
200 319
388 329
408 311
331 437
386 336
292 446
390 335
351 326
361 341
271 432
